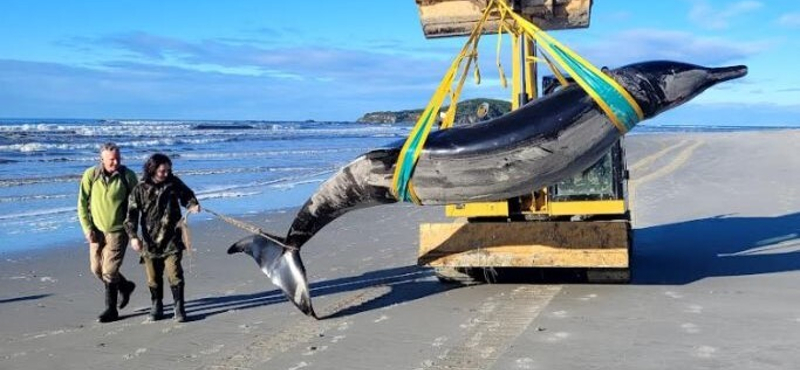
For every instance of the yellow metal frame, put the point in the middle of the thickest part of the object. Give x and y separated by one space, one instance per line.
588 207
477 209
566 208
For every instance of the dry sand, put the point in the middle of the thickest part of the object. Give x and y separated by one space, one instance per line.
715 275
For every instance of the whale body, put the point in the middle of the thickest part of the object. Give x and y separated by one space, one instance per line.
535 146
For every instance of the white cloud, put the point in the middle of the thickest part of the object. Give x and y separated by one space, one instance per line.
648 44
706 16
791 20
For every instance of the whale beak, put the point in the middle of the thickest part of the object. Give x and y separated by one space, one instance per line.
727 73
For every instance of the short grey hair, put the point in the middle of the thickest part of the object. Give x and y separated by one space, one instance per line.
109 146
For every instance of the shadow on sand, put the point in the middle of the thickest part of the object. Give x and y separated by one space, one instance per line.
672 254
24 298
403 284
685 252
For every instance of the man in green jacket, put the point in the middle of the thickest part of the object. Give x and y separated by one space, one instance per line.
102 207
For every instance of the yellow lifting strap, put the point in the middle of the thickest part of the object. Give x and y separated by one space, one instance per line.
402 188
613 99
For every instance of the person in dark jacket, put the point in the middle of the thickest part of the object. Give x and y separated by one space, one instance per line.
154 204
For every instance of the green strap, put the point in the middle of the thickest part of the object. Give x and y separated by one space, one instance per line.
623 110
407 163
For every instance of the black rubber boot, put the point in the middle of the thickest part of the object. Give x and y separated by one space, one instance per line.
110 314
126 287
177 295
157 308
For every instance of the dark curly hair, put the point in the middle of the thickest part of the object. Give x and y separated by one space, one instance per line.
152 164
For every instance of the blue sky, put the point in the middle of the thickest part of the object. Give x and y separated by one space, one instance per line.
335 60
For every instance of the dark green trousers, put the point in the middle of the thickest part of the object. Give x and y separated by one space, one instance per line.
155 268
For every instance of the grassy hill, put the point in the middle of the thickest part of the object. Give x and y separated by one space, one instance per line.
466 112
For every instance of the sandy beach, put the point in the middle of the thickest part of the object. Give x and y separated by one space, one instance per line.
715 271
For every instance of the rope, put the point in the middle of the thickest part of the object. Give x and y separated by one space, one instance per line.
186 236
251 228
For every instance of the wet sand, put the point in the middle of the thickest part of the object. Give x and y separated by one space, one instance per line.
715 270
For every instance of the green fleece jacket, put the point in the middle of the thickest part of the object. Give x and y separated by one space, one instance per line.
103 203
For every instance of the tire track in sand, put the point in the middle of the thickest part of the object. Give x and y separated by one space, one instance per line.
501 319
302 330
646 161
680 159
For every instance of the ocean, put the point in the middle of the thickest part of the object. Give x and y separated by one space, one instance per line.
234 167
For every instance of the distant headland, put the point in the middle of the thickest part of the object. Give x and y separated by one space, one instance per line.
467 112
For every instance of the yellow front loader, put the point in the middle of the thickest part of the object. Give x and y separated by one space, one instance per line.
581 223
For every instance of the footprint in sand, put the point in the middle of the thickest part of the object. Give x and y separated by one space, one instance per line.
300 365
14 355
471 323
212 350
475 341
705 351
138 353
694 308
247 329
557 337
42 335
672 294
690 328
314 349
524 363
114 332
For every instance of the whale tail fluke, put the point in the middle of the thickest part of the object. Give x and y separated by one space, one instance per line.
282 266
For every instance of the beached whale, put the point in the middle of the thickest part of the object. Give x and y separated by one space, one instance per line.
541 143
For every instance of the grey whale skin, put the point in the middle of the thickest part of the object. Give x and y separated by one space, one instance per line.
537 145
